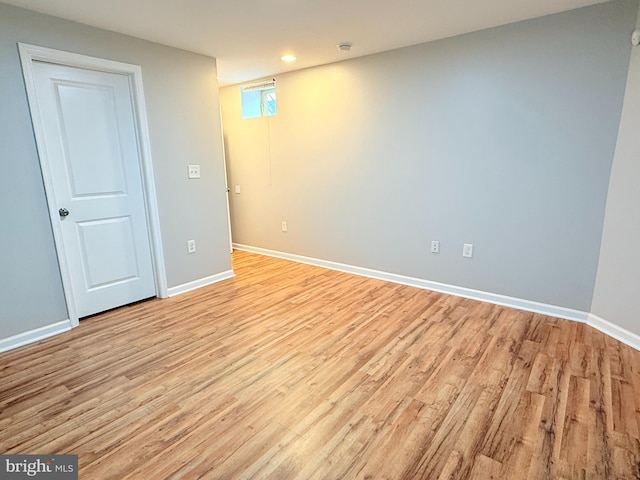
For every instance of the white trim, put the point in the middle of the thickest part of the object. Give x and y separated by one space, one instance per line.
226 184
149 183
203 282
613 330
31 53
34 335
606 327
518 303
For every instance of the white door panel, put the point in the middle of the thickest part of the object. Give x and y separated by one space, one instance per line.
108 252
92 148
95 163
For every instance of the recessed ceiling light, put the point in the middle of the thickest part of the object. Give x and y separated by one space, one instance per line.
288 58
344 46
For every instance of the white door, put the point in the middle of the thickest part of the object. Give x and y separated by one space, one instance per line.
91 143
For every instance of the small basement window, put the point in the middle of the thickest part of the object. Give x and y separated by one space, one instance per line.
259 99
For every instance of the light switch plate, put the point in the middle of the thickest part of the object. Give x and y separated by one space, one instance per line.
194 171
236 189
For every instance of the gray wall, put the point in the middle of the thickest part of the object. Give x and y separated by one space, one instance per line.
616 297
184 126
502 138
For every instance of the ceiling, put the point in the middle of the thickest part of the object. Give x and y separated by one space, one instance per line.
248 37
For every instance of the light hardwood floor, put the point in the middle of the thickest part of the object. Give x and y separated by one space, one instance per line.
291 371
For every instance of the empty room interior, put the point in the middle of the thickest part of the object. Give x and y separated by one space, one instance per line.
321 240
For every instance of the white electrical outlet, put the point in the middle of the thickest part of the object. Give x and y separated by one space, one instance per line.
467 250
191 246
284 226
435 246
194 171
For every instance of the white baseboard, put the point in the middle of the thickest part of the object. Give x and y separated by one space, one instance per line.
606 327
613 330
518 303
34 335
203 282
60 327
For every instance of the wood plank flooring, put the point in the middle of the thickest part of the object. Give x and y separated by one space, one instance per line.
295 372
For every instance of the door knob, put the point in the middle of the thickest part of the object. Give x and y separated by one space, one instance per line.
63 212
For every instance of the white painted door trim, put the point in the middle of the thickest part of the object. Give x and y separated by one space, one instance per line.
31 53
226 183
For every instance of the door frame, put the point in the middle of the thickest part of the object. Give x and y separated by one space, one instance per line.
29 54
226 182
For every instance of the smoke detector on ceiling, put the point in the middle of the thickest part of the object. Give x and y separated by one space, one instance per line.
344 46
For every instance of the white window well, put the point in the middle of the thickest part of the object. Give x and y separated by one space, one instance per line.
259 99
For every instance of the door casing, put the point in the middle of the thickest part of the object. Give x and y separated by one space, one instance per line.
31 53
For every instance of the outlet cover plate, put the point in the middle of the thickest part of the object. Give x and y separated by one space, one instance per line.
194 171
